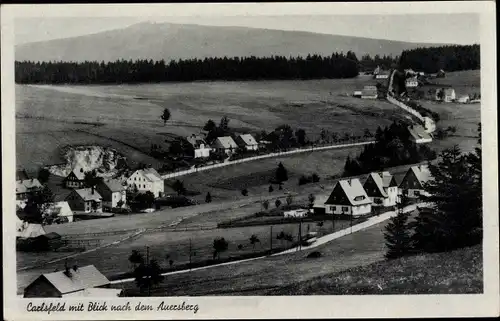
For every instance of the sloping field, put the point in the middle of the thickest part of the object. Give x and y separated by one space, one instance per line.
127 117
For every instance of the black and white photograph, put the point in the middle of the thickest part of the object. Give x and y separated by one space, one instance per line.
240 151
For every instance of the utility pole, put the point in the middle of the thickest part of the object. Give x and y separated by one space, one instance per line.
148 270
190 251
300 234
271 238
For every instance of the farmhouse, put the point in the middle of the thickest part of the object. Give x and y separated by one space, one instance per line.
112 192
26 187
86 200
419 135
296 213
147 180
75 178
201 148
348 197
247 142
412 184
369 92
61 210
382 189
464 99
445 94
411 82
224 145
84 281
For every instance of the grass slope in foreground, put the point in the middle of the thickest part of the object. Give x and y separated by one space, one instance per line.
456 272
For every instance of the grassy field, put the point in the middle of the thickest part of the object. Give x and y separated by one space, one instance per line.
457 272
127 117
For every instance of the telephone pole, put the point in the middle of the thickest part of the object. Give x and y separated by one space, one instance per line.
190 251
148 270
271 238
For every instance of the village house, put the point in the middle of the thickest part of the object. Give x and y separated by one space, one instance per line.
445 94
465 99
382 189
319 207
85 281
411 82
113 192
86 200
224 145
247 142
369 92
75 179
61 210
413 182
147 180
418 134
201 148
26 187
349 198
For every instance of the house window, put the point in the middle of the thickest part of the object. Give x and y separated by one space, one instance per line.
416 193
345 209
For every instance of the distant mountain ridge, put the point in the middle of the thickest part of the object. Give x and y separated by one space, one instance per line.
169 41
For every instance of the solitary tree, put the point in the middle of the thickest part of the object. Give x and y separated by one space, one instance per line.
277 203
311 199
301 136
244 192
397 236
289 200
210 126
178 186
253 240
91 179
208 198
136 258
281 173
224 124
148 275
36 205
165 116
220 245
265 204
271 189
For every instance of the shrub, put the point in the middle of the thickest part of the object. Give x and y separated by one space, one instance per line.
314 255
244 192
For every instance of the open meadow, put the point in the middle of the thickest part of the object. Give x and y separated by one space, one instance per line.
127 117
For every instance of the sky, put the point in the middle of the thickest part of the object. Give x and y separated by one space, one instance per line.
457 28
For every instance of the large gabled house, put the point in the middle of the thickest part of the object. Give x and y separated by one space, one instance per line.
86 200
224 145
75 178
382 189
445 94
85 281
348 197
26 187
113 192
147 180
247 142
413 182
201 148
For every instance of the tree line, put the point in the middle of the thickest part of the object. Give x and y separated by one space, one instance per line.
392 147
448 58
338 65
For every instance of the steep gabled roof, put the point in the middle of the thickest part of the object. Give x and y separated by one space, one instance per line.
248 139
352 190
422 173
379 183
195 140
114 185
87 195
78 173
152 174
418 132
226 142
83 278
27 185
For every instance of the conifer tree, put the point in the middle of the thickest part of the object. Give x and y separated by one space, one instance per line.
397 237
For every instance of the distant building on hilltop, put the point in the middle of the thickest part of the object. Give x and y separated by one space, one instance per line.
348 197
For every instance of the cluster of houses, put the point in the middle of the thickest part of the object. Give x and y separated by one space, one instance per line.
351 197
224 145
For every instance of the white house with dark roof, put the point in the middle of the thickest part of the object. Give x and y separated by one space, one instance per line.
75 178
201 148
445 94
369 92
419 135
247 142
381 188
61 210
147 180
86 200
85 281
224 145
25 187
112 191
413 182
348 197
